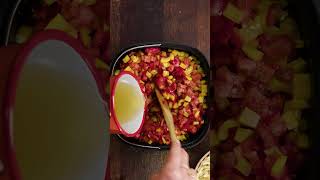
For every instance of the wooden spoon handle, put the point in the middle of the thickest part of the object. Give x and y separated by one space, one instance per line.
167 115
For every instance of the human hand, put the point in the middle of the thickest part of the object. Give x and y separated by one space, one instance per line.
177 165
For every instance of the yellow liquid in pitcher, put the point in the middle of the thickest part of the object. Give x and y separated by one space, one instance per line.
128 102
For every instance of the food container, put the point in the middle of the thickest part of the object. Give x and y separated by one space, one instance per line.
193 139
201 162
55 113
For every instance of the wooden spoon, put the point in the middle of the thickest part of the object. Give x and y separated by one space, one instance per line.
167 116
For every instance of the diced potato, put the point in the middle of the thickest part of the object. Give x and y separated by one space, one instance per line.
223 130
249 118
49 2
188 71
101 65
165 73
278 166
243 166
183 66
126 59
276 85
129 69
302 86
149 75
117 72
273 151
90 2
252 52
296 104
165 60
222 103
187 98
242 134
233 13
135 59
291 118
298 65
85 36
59 23
214 140
201 99
251 31
23 34
154 72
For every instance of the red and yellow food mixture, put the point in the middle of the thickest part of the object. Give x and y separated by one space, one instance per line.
180 79
261 88
85 20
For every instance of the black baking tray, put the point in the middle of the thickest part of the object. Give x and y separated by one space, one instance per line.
193 139
307 16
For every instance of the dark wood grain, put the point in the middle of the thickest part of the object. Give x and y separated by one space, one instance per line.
135 21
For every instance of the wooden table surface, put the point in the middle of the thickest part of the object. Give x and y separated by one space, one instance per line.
135 21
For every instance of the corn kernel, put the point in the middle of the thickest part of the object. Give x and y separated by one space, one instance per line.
154 72
128 68
186 114
169 50
181 137
166 65
189 78
164 60
204 88
117 72
192 57
135 59
149 75
187 98
126 59
165 73
150 142
196 114
201 99
166 95
183 66
171 57
163 53
169 81
158 130
170 105
170 77
141 82
185 104
175 52
188 70
205 106
172 97
195 123
203 81
175 105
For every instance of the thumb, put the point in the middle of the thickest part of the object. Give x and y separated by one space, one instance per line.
174 157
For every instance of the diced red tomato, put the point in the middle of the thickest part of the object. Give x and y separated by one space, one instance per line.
277 48
152 51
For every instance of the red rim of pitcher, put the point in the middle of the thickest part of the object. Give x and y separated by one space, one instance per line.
14 76
113 87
